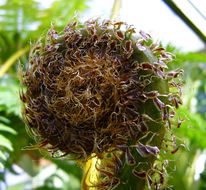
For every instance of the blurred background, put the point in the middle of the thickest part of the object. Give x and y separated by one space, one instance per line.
180 25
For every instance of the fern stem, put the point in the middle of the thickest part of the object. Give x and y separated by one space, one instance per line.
115 10
12 60
91 175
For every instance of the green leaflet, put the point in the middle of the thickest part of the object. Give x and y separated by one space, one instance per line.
2 156
6 143
8 99
8 129
4 119
1 165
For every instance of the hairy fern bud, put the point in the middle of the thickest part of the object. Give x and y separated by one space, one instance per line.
104 96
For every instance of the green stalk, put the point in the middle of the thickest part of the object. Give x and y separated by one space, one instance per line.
12 60
115 10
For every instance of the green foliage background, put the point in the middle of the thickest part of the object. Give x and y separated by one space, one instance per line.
21 24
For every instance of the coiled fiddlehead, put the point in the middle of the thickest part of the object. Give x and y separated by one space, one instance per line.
102 96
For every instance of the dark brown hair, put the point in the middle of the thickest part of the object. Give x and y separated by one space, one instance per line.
97 89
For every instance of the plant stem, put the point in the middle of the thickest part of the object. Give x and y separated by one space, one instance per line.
91 175
12 60
115 10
